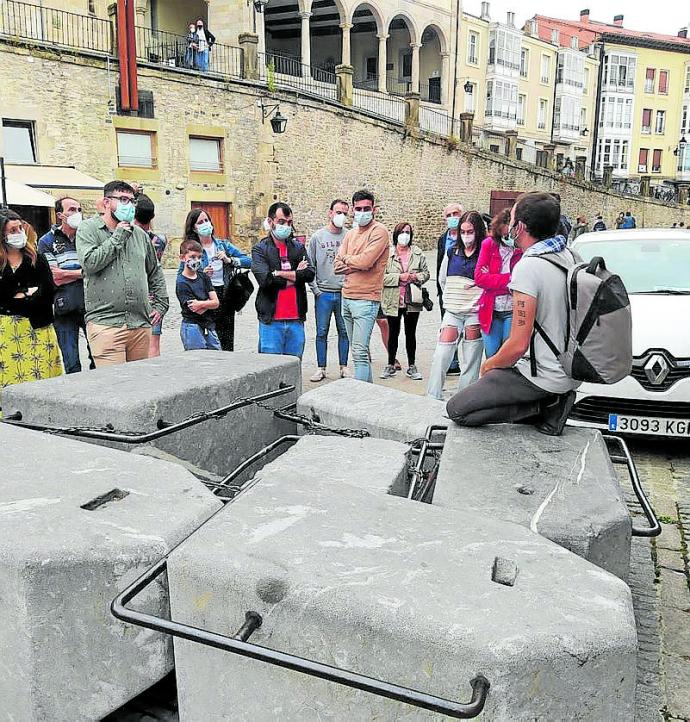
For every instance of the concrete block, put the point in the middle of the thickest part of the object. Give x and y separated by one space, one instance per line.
564 488
385 413
377 465
403 592
80 522
135 396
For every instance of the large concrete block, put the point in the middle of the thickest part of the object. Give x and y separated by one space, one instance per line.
410 593
78 523
564 488
385 413
134 397
374 464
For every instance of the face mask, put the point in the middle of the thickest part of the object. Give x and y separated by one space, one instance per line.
205 228
193 264
339 220
74 220
16 240
512 234
124 212
364 218
467 238
453 222
404 239
281 232
508 241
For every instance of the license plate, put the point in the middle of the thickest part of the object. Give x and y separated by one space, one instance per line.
649 425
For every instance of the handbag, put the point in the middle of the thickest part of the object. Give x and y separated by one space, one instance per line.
70 299
427 303
238 290
414 295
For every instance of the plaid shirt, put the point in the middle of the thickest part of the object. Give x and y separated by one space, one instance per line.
549 245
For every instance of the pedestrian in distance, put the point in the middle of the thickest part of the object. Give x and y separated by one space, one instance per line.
580 227
282 269
220 260
598 224
192 41
327 287
121 275
620 219
29 348
362 259
406 273
60 250
629 220
197 299
204 42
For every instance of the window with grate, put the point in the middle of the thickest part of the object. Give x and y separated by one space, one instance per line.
136 149
146 105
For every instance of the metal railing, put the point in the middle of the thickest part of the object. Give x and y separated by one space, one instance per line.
388 107
280 71
436 121
49 26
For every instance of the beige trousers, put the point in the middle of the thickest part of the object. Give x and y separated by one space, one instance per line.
111 345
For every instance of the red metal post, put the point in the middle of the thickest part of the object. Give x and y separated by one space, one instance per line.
122 55
132 57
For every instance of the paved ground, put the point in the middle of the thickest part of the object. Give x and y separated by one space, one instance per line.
659 578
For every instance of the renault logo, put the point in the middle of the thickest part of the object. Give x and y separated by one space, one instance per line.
656 370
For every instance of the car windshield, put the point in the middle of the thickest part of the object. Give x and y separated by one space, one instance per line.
645 266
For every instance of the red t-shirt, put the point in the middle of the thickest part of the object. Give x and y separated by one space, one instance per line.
286 304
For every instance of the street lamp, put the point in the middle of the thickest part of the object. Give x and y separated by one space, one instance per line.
468 87
682 145
278 121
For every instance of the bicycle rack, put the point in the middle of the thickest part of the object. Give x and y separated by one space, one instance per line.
654 528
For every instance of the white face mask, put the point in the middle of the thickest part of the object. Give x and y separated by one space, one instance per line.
16 240
404 239
74 220
467 238
338 220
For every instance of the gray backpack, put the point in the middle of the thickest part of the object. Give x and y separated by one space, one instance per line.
598 342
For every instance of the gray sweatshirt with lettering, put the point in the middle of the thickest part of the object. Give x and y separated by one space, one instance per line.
322 250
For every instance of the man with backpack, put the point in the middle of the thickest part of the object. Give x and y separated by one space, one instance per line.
629 220
535 373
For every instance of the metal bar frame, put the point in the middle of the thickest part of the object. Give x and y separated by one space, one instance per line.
654 528
237 645
164 429
427 445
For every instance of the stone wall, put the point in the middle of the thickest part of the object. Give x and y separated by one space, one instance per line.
327 152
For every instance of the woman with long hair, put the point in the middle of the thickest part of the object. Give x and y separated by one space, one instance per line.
497 258
406 273
29 348
461 302
219 261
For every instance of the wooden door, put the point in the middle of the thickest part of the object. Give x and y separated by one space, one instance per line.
220 215
501 200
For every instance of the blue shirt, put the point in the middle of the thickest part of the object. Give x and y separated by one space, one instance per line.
460 265
450 242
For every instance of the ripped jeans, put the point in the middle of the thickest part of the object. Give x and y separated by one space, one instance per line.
470 353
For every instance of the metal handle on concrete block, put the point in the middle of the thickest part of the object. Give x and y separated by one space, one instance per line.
418 490
480 684
654 528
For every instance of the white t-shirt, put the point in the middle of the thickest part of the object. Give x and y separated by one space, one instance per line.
215 263
540 279
504 303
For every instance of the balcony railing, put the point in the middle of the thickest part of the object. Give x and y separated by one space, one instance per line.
284 71
49 26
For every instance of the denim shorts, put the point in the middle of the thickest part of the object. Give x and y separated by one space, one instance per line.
157 329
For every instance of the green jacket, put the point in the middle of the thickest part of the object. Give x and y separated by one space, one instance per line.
390 298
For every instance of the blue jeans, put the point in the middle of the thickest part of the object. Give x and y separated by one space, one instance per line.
194 337
498 333
67 330
328 303
359 317
282 337
202 60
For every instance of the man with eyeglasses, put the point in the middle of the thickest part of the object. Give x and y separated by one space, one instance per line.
120 272
60 250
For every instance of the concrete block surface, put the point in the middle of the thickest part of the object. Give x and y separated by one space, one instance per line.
401 591
564 488
133 397
78 523
385 413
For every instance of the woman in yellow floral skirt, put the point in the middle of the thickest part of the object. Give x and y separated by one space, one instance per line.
29 349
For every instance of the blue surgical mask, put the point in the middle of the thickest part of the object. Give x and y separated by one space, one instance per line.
508 241
282 231
511 234
205 228
124 212
453 222
364 218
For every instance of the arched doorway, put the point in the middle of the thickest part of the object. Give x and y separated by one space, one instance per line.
326 35
432 74
401 54
283 32
365 44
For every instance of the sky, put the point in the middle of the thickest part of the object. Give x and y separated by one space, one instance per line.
666 17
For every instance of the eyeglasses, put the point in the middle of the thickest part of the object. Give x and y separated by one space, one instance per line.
122 199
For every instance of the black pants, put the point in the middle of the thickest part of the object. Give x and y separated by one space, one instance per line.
410 320
502 396
225 322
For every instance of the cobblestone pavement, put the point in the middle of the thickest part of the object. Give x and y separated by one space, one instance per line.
659 574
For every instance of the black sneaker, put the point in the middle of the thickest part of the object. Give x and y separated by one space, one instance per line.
555 413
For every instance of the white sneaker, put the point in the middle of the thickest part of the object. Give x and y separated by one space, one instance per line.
319 375
344 373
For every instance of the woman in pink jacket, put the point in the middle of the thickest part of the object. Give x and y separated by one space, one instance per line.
497 258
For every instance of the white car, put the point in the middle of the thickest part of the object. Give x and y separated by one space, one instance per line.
655 399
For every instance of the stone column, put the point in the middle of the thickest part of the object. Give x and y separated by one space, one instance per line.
511 143
412 111
382 63
249 42
347 52
344 75
445 71
683 189
549 152
608 176
306 45
414 84
112 16
140 13
580 167
466 123
645 186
